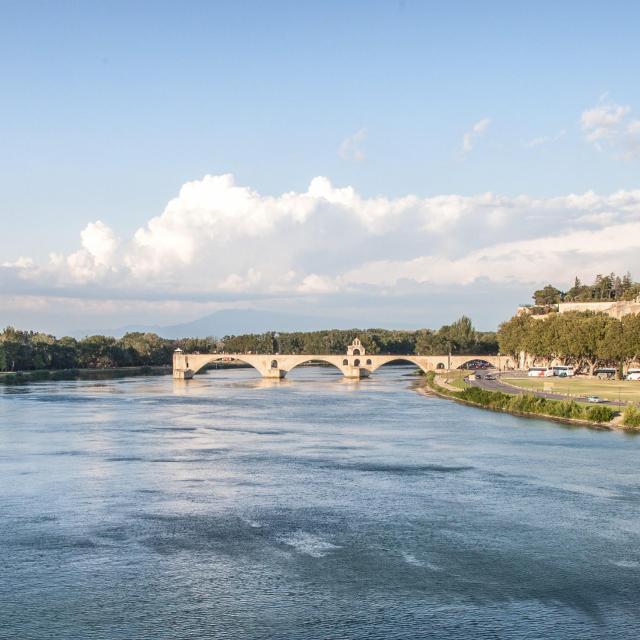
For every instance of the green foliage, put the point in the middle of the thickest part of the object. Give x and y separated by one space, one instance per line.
631 417
530 404
604 288
600 414
583 339
547 296
28 351
460 337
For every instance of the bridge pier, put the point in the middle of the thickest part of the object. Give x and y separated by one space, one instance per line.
355 373
181 369
276 374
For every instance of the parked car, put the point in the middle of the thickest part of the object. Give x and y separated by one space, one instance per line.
596 399
479 364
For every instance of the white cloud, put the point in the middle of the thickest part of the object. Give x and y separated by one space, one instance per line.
607 249
544 140
470 137
609 124
20 263
351 147
220 241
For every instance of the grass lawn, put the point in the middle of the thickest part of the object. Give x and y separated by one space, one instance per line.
626 390
456 378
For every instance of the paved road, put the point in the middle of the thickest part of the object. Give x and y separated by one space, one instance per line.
497 385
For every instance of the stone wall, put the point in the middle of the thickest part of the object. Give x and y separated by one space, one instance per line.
613 309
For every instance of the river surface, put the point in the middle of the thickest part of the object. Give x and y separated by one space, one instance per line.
231 507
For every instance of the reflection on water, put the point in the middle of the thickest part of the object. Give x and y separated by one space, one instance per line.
234 507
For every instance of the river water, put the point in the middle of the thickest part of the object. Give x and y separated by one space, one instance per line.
231 507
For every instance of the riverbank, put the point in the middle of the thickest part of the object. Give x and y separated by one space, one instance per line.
43 375
46 375
566 412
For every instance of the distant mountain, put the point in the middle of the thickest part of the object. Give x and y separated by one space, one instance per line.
238 321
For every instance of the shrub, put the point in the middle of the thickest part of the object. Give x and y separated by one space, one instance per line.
631 417
600 414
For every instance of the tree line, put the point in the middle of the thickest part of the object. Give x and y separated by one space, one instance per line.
29 350
605 288
585 340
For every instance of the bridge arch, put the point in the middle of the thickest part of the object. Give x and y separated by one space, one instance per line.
479 361
315 359
225 358
409 359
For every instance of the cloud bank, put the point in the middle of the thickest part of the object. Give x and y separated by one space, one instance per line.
221 241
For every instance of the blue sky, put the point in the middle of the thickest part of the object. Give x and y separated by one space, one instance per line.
109 108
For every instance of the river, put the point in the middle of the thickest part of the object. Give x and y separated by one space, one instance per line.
231 507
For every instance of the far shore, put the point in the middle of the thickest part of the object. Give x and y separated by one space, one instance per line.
50 375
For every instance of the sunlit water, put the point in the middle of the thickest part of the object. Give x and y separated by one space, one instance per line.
229 507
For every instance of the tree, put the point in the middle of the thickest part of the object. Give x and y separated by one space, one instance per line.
547 296
512 335
462 334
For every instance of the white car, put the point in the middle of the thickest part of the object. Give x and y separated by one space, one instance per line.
596 399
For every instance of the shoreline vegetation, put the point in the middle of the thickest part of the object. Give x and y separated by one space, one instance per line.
107 373
44 375
531 406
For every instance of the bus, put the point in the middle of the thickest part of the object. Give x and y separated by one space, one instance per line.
633 374
540 372
563 372
605 373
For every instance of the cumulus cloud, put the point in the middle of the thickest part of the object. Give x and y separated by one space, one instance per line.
470 137
221 241
610 125
351 147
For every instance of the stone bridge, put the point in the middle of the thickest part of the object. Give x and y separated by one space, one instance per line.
355 364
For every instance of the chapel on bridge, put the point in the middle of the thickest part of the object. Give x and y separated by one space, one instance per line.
355 348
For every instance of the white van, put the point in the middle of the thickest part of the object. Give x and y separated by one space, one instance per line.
633 374
540 372
563 372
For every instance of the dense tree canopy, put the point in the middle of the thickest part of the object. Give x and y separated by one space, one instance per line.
584 339
604 288
28 350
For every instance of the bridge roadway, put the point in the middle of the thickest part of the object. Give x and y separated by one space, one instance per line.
352 365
